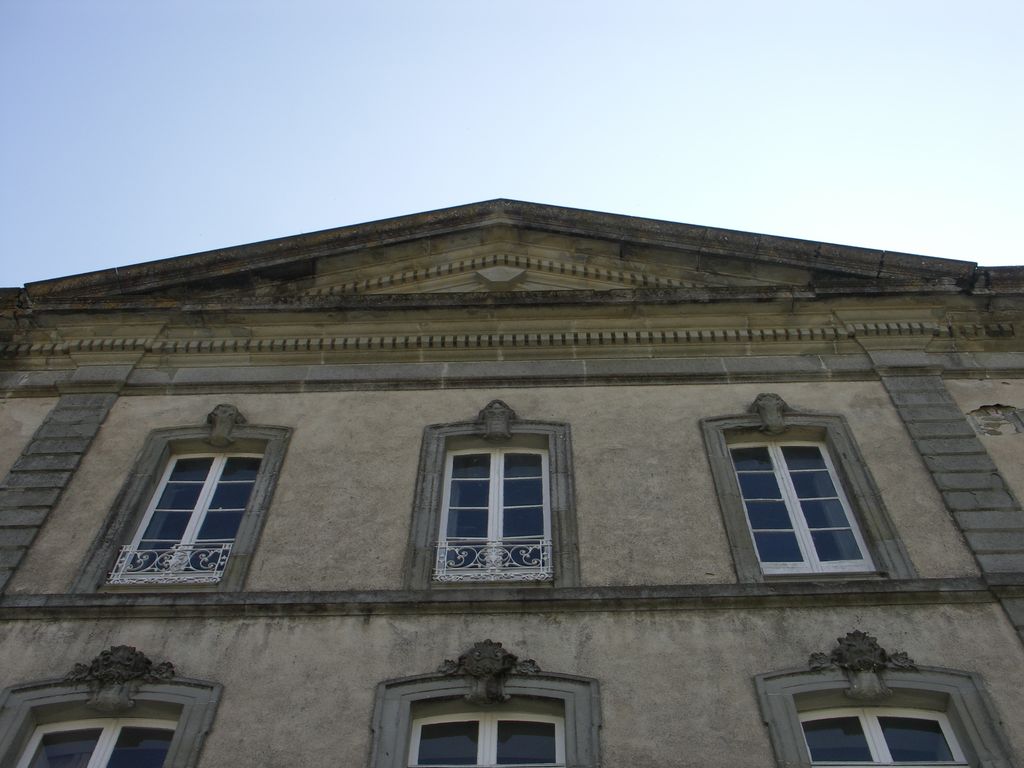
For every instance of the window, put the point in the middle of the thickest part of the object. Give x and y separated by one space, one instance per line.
496 523
802 501
494 504
929 717
189 514
125 743
189 528
488 739
53 724
798 515
850 737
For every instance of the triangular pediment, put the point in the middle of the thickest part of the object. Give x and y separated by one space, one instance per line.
502 247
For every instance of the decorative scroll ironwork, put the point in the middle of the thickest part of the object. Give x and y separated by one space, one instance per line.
502 560
486 666
174 564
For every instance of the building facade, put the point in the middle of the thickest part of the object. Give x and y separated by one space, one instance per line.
514 484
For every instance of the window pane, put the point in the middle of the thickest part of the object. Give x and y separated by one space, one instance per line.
525 743
220 526
912 739
526 521
467 522
813 484
471 465
759 486
231 496
803 457
521 493
837 739
194 470
448 744
835 545
523 465
167 526
751 458
140 748
824 513
66 749
778 548
179 496
768 514
469 493
240 468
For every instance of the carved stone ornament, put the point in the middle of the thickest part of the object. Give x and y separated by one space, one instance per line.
996 419
863 659
496 418
486 666
115 675
222 421
771 409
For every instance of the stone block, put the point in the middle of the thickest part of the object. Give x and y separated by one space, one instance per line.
61 430
11 556
925 383
46 462
932 429
967 500
17 537
975 462
1014 607
930 396
12 498
969 481
996 541
59 445
22 479
5 576
1002 563
98 401
988 519
75 416
930 413
950 445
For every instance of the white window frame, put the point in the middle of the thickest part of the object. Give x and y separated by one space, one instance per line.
495 522
876 741
810 563
110 730
219 548
487 744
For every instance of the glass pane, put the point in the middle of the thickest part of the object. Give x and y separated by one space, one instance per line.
759 486
471 465
220 526
66 749
179 496
525 521
448 744
837 739
803 457
824 513
140 748
751 458
470 493
240 468
195 470
522 743
521 493
523 465
911 739
768 514
813 484
167 526
835 545
467 522
778 548
231 496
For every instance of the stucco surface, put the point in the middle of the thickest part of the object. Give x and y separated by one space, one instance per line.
646 505
1007 451
301 692
20 417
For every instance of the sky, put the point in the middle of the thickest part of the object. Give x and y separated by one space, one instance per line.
133 130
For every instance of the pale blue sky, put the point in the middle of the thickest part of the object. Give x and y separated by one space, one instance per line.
133 130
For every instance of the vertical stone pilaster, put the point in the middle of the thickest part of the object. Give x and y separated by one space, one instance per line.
975 494
38 478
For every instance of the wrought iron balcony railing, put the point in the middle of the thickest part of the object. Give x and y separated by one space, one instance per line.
516 559
172 564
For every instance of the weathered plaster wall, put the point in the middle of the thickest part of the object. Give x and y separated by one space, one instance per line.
20 417
300 692
646 505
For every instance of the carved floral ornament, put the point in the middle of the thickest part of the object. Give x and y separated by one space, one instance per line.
863 660
496 419
222 421
771 409
997 419
486 666
115 675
